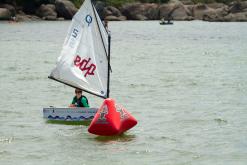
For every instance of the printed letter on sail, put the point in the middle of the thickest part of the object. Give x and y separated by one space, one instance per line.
83 60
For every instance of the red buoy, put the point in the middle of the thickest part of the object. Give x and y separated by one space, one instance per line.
111 119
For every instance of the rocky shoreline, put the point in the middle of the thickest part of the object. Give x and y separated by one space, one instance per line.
177 10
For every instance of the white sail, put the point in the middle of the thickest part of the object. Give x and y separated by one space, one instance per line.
83 60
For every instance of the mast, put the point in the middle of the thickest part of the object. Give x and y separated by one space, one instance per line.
109 58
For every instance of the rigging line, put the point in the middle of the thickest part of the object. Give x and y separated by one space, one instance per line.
108 68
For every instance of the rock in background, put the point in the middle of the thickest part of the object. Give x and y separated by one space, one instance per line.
5 14
141 11
47 12
65 9
10 8
111 13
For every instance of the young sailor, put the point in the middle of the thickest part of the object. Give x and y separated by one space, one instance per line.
79 100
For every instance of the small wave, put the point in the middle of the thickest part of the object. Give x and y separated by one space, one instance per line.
162 137
220 121
11 68
118 138
9 111
48 62
30 78
67 133
192 84
4 153
140 85
6 140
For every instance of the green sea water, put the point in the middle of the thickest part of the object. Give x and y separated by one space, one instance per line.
186 84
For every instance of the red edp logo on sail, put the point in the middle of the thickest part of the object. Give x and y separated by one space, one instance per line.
84 65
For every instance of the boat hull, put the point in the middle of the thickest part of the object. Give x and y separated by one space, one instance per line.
166 23
69 114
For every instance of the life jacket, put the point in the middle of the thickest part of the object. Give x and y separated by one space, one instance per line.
79 102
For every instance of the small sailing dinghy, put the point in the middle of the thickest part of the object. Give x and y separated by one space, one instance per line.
166 23
84 63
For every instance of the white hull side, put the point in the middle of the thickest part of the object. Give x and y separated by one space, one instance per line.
69 114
